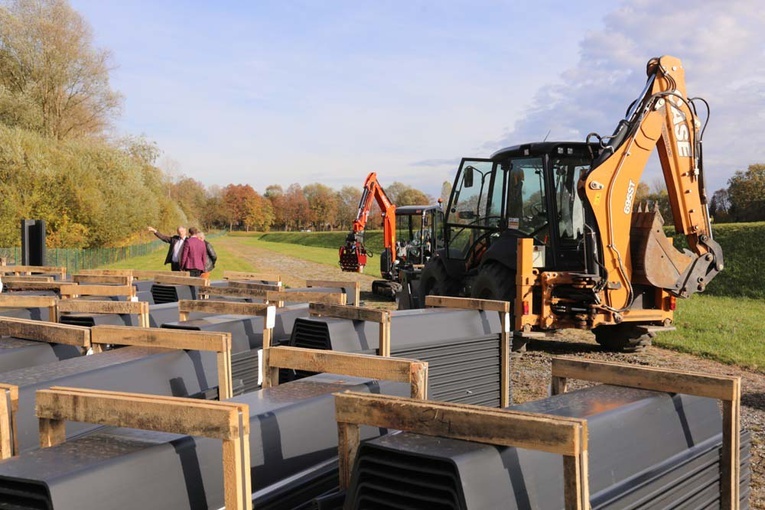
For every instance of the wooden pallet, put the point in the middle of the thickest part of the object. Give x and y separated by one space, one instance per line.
21 301
139 308
110 279
356 286
75 290
60 272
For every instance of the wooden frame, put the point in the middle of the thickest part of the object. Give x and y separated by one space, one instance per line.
29 270
231 292
24 279
552 434
145 274
173 339
109 279
503 307
263 277
227 421
410 371
22 301
140 308
186 306
75 290
50 332
107 272
9 406
36 285
191 281
725 388
356 286
281 297
355 313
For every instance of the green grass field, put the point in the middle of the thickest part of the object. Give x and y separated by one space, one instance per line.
726 329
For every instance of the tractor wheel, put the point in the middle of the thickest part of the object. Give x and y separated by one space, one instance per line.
435 281
623 337
494 281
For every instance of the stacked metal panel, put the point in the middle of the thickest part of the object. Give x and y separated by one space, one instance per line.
462 348
293 436
646 450
132 369
16 353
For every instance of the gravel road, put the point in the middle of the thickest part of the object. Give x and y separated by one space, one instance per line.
531 370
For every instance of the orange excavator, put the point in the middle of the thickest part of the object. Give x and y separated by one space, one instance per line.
555 228
353 255
421 232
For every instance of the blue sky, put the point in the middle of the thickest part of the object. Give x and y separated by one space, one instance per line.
277 92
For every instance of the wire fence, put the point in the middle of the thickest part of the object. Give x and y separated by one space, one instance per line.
75 259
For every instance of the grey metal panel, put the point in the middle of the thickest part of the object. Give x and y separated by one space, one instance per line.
134 369
292 429
632 433
37 314
162 313
246 331
16 353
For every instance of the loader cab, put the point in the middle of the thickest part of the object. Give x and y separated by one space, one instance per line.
523 191
419 233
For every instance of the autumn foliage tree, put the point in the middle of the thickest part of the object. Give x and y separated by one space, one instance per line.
52 79
746 194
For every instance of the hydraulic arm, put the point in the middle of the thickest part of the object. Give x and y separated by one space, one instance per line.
663 117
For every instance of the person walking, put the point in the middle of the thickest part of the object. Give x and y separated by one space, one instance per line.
212 257
176 246
194 254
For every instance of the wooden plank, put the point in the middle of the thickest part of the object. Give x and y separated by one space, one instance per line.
145 274
336 298
241 275
92 306
45 331
186 306
189 416
97 290
730 461
222 420
547 433
355 365
232 292
488 305
504 365
192 281
349 312
160 337
656 379
103 279
21 301
9 404
24 279
107 272
253 285
60 271
28 285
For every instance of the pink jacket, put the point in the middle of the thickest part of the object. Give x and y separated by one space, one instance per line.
194 254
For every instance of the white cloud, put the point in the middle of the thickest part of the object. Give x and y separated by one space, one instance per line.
721 45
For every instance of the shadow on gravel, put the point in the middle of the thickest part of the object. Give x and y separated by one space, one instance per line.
753 400
562 347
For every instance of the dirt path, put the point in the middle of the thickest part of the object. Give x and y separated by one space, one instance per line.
531 370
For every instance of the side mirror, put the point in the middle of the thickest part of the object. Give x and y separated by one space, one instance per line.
467 177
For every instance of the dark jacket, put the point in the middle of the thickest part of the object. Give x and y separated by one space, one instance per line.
172 240
212 257
193 254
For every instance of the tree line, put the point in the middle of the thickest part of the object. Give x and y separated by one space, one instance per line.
61 162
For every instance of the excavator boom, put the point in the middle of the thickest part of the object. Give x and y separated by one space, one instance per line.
632 245
353 254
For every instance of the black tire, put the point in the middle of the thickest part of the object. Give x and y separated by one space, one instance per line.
494 281
623 337
435 281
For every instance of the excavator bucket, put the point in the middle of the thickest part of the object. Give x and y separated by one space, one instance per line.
655 260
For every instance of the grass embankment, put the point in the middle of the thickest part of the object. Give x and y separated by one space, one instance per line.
155 262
